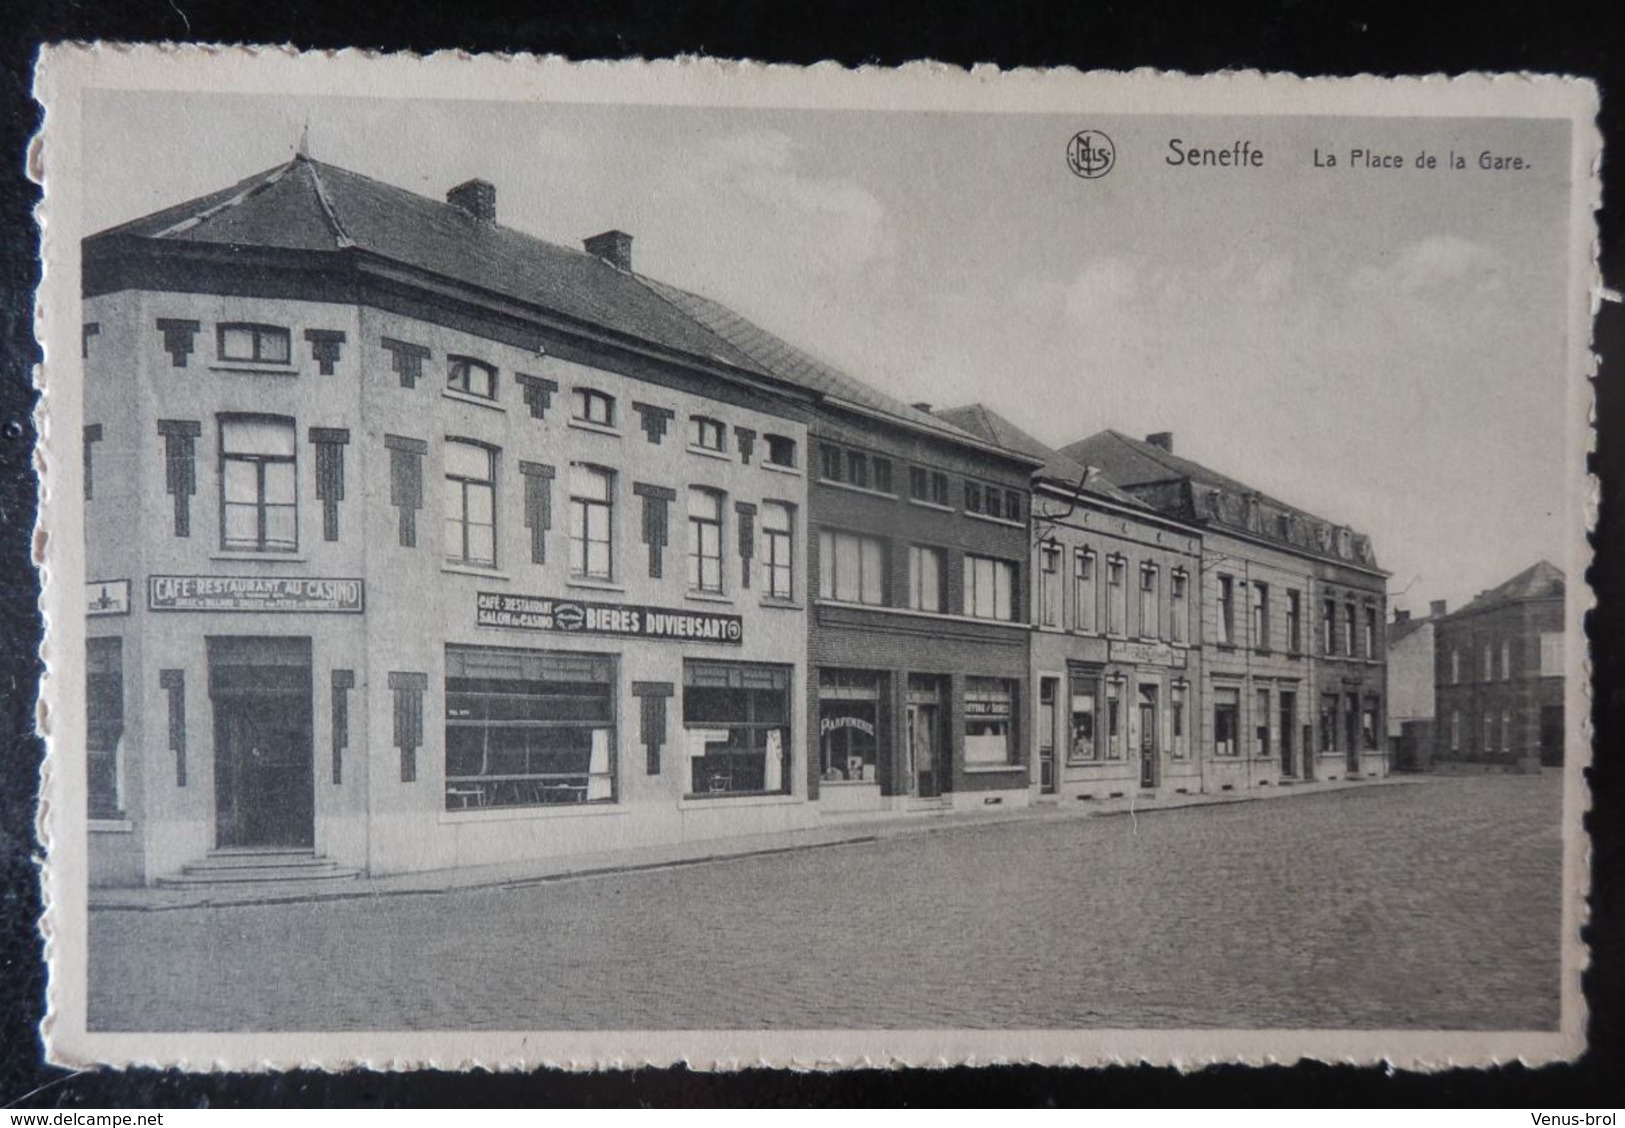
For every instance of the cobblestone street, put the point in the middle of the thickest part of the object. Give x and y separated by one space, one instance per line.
1431 905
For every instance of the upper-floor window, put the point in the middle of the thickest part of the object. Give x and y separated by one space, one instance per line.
470 504
264 344
831 462
778 550
704 540
1489 663
1294 621
1150 606
1348 629
1506 659
258 497
1227 610
592 524
882 468
1012 505
1085 603
851 568
1261 615
1179 608
993 502
1116 596
1455 665
925 586
1328 627
706 433
471 377
857 469
1370 632
928 485
973 497
989 588
592 406
1049 584
781 451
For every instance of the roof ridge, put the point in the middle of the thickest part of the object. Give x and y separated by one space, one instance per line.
329 213
253 185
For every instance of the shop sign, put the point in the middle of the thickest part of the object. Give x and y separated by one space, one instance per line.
828 725
107 597
1147 654
303 595
626 620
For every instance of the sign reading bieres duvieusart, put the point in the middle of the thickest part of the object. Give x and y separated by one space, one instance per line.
305 594
573 616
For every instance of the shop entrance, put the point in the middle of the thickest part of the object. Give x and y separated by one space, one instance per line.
1048 690
922 737
1351 730
1148 736
263 786
1289 722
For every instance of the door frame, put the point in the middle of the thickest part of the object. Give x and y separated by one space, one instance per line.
1150 749
228 761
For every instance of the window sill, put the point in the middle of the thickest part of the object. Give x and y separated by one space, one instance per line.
865 490
778 469
510 814
472 400
874 783
111 826
595 428
258 558
1005 521
923 504
589 584
993 769
707 452
1225 647
475 570
707 597
782 604
254 368
1263 651
695 799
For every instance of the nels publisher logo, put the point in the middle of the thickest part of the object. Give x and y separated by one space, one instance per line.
1091 154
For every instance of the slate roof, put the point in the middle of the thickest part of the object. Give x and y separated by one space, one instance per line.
985 423
1544 580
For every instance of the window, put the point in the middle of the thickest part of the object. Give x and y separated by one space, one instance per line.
1328 627
528 728
104 724
973 497
1489 663
1368 725
592 510
1114 718
1226 721
1179 607
849 725
919 483
1085 606
1506 659
1348 629
939 488
1455 732
1370 632
265 344
1294 621
1049 584
989 588
705 541
1506 729
1150 607
258 499
1116 596
851 568
1261 616
594 407
993 502
706 433
882 474
1455 665
1176 719
830 463
989 721
925 586
778 550
1012 505
857 469
1489 731
781 451
1328 722
1551 654
737 719
471 377
1227 611
1085 693
1261 722
470 504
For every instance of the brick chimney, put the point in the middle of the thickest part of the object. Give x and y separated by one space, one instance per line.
476 197
1163 439
1401 616
1436 609
614 247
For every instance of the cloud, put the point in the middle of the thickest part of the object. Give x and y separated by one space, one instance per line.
1435 267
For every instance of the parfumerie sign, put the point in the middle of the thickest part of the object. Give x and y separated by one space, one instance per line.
571 616
304 594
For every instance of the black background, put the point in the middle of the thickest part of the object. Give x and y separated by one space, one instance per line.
1281 35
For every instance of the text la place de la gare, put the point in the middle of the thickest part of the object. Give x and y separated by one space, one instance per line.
1246 154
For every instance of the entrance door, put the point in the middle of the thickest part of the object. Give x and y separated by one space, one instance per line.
923 738
1551 735
1289 721
1148 736
1351 729
264 788
1048 689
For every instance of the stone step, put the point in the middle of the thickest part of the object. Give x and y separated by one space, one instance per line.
249 859
248 867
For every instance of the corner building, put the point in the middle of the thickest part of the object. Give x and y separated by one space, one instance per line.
417 542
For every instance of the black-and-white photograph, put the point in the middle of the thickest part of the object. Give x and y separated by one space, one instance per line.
723 560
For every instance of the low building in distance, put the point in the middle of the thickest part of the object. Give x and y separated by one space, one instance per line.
1410 688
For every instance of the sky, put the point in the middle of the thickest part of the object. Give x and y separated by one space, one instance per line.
1383 347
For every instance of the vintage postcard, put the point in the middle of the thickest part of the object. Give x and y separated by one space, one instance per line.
605 564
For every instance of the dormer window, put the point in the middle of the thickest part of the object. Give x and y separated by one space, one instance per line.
471 377
594 407
781 451
706 433
254 344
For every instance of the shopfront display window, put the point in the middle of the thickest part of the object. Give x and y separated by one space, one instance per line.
736 718
849 725
1226 721
1085 694
989 721
528 728
104 724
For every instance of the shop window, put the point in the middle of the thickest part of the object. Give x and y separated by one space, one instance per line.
1116 596
1328 723
737 718
925 576
1114 718
258 497
781 451
1085 604
528 728
851 568
1177 694
706 433
705 541
778 550
1150 607
989 721
849 725
1085 696
1049 584
1226 721
1294 621
470 513
1261 616
254 344
989 588
104 724
592 512
1368 726
595 407
1179 609
1261 723
471 377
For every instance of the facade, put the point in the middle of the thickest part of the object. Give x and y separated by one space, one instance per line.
1116 645
1498 674
1292 617
1410 688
